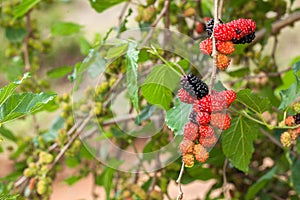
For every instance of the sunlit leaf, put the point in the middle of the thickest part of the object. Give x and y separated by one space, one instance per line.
65 28
18 105
60 72
24 7
159 84
8 90
100 5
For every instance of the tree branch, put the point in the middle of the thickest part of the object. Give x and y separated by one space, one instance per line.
277 26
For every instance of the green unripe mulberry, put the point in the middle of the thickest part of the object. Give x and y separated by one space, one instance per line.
45 158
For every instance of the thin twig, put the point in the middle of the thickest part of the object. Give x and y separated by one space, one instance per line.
273 140
274 51
214 50
69 133
180 68
22 179
225 183
206 76
123 12
26 42
70 142
271 74
35 124
178 181
220 9
112 89
277 26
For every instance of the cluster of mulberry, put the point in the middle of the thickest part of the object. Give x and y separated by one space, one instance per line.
207 116
239 31
290 136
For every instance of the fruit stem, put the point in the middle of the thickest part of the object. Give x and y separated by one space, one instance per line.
178 181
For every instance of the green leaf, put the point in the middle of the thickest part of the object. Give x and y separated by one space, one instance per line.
117 51
237 142
24 7
293 92
218 86
145 114
18 105
239 72
132 57
15 34
52 132
100 5
295 175
72 180
159 84
84 46
7 134
260 184
8 90
105 180
252 101
178 116
59 72
72 161
65 28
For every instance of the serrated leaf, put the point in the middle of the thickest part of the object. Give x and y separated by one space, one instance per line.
132 57
8 90
59 72
65 28
7 134
117 51
24 7
260 183
100 5
15 34
293 92
18 105
252 101
159 84
237 142
178 116
295 175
